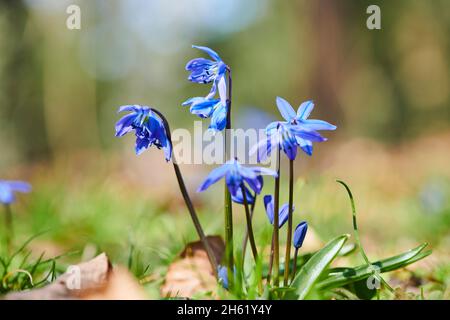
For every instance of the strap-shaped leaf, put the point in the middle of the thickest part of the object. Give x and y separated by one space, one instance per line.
316 266
342 276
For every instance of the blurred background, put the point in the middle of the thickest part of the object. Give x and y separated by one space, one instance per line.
387 91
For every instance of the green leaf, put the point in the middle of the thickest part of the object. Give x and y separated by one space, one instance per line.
342 276
316 266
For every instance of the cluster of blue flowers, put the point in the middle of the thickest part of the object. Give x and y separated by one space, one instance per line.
295 132
209 71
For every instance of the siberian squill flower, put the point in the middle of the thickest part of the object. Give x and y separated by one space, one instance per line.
299 234
283 213
250 197
237 176
149 129
9 188
300 118
209 108
296 131
209 71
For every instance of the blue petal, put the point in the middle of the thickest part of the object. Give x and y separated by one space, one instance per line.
268 204
199 63
305 145
299 234
6 195
286 110
284 215
142 143
234 182
222 273
219 118
209 51
134 108
222 86
305 110
204 109
314 124
192 101
310 135
264 171
214 176
19 186
124 125
238 198
290 149
273 126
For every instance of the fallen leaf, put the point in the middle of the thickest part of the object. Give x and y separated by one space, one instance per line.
93 279
192 273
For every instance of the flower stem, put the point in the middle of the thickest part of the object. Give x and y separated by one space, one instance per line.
294 271
228 204
289 229
276 210
245 241
9 226
249 225
187 199
269 274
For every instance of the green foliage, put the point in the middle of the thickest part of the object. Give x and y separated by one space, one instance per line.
316 266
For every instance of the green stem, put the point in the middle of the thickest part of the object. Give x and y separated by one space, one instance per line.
245 241
229 251
276 210
357 239
269 274
289 229
248 218
187 199
9 226
294 271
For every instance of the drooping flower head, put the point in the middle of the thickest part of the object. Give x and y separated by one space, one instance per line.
299 234
209 71
149 129
9 188
209 108
283 213
237 176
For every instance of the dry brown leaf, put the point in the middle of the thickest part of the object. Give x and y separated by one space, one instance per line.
192 273
121 285
93 279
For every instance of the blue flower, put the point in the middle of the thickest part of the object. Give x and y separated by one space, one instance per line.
283 213
9 188
237 176
205 108
207 71
222 273
285 136
296 131
149 129
300 118
250 197
299 234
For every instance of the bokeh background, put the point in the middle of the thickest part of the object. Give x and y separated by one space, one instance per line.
387 91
